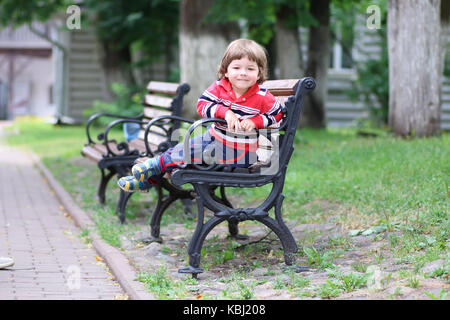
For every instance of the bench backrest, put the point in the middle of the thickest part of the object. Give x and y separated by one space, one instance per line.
290 92
162 99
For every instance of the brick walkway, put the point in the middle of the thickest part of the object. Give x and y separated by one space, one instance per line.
51 260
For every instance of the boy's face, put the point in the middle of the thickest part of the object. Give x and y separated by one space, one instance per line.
242 74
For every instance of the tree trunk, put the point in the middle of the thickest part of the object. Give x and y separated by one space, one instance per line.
115 67
288 52
201 48
313 114
415 67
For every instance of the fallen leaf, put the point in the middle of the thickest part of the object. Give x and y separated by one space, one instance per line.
98 258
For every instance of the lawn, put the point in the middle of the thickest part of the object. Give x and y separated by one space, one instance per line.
365 184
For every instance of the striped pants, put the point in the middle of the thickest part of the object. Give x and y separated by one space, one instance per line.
205 149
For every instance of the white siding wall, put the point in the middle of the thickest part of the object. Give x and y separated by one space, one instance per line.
85 76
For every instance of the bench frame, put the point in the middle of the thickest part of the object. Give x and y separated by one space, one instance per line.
205 178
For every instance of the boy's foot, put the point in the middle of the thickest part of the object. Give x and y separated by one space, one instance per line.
143 171
130 184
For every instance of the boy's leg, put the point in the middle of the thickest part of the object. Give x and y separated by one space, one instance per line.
235 157
167 161
151 171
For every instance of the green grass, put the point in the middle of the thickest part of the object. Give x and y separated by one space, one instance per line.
162 286
383 184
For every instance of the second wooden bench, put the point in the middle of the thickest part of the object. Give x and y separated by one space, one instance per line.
117 158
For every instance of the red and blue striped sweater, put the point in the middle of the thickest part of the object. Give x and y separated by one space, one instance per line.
257 104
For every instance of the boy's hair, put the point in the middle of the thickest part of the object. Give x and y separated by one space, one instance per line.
244 47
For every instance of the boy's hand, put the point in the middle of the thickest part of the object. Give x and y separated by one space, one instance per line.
248 125
232 121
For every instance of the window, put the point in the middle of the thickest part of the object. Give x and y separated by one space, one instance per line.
341 38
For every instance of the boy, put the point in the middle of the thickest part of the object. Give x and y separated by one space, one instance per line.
235 97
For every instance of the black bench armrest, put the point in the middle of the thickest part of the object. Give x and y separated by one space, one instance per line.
186 145
123 145
104 114
159 121
214 166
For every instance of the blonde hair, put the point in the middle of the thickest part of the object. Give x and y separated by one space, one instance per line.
244 47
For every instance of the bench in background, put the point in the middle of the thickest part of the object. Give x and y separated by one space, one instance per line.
117 158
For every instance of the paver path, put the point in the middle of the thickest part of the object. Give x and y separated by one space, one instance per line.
51 260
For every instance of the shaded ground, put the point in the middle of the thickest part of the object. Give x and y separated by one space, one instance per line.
341 266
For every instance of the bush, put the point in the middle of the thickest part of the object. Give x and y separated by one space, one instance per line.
128 102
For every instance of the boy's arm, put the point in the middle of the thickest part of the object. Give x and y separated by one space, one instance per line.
271 116
209 105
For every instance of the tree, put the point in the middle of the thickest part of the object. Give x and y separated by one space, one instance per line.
202 45
416 65
290 15
20 12
313 114
132 36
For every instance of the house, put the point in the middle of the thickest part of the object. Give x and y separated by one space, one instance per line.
26 73
42 79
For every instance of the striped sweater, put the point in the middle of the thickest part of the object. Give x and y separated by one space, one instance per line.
257 104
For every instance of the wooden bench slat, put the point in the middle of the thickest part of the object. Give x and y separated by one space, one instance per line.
152 138
140 145
280 87
155 129
162 87
102 148
91 153
151 113
157 101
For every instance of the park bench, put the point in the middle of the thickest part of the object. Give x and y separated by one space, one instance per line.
206 177
112 158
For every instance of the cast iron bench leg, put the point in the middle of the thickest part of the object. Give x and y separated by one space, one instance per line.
122 203
187 204
233 227
164 201
276 225
103 183
155 222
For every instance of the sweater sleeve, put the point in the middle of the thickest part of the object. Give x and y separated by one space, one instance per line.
209 105
270 113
